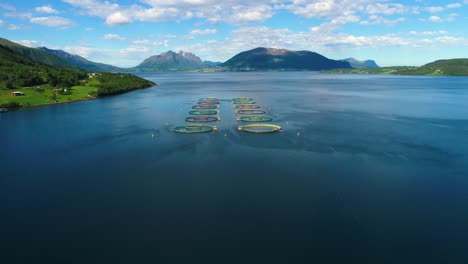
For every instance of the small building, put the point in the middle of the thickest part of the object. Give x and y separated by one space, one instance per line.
17 93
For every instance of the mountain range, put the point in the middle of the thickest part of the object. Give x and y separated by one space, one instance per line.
357 64
255 59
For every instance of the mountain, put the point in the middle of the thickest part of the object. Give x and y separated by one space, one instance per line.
81 62
38 55
17 70
171 61
357 64
281 59
212 63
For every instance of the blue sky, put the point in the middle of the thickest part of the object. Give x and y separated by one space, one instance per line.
125 32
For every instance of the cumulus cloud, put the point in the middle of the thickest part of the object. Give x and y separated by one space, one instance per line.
117 19
46 9
434 19
52 21
428 33
434 9
203 31
454 5
95 7
113 37
386 8
30 43
7 7
376 20
13 27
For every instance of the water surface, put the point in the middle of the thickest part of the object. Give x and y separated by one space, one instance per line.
368 168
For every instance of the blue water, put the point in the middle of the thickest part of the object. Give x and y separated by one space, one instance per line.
367 169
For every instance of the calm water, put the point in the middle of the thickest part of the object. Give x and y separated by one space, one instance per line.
378 174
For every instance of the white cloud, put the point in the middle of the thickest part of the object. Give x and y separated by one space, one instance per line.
386 8
435 19
203 31
325 43
454 5
7 7
19 15
428 33
46 9
434 9
214 11
52 21
13 27
1 22
451 17
117 19
30 43
94 7
376 20
113 37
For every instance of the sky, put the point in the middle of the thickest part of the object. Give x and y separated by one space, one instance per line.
125 32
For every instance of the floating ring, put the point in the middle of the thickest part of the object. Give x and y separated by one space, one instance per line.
260 128
203 106
204 112
246 106
250 112
201 118
255 118
191 129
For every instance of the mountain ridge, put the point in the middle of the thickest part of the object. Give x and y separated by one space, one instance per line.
38 55
81 62
262 58
171 61
358 64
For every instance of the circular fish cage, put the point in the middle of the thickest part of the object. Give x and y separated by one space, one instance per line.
246 106
250 112
260 128
201 118
255 118
243 101
204 112
203 106
208 103
209 100
192 129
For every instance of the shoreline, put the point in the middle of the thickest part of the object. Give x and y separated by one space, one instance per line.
71 101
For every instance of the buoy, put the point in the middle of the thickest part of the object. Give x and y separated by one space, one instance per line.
152 135
225 135
298 134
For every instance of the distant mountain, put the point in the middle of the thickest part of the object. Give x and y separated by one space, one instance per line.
212 63
281 59
451 67
171 61
357 64
81 62
38 55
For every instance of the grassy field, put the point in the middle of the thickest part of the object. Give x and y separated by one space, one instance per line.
33 96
